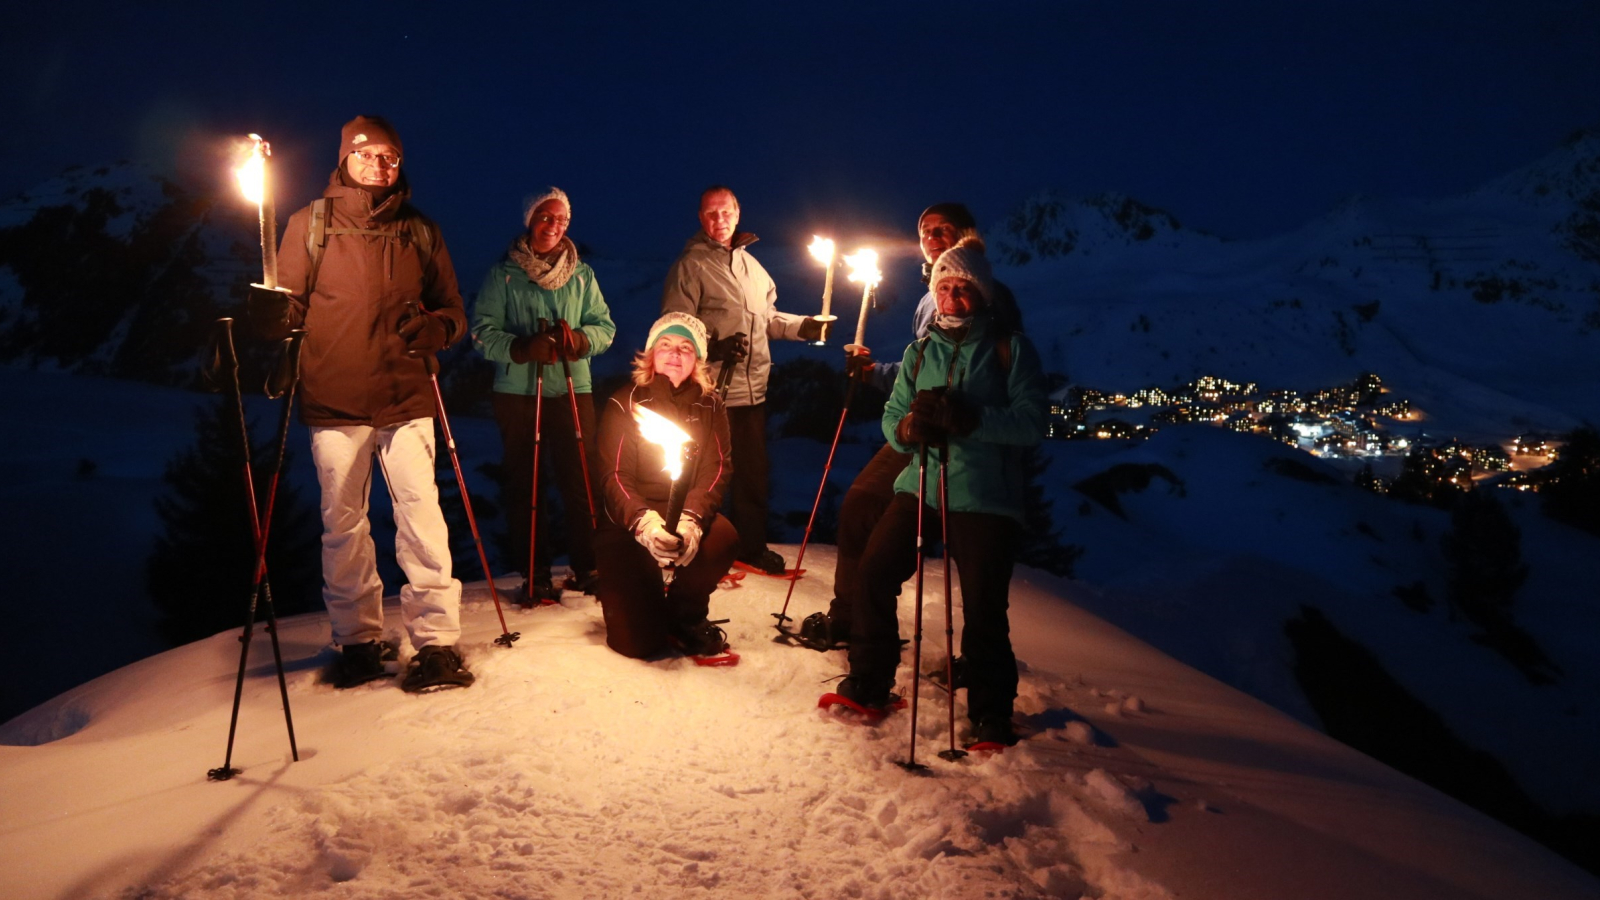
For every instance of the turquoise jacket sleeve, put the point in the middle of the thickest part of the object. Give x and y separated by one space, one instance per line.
900 399
1025 418
489 317
596 324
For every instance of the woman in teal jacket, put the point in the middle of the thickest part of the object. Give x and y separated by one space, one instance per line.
974 395
539 308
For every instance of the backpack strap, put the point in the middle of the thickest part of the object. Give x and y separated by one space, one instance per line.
316 240
916 367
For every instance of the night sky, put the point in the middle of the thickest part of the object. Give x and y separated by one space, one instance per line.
1243 119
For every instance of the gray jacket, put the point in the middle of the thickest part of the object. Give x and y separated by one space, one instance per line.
728 290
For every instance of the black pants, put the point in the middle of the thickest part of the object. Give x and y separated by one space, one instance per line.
864 503
638 612
558 461
747 490
983 548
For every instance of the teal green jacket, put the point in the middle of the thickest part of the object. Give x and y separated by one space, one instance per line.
986 467
510 306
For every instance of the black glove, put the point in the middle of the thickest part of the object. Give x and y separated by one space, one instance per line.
915 429
269 312
540 347
949 412
424 333
730 349
860 364
811 329
574 343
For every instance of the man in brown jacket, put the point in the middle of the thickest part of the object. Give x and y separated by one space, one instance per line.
369 279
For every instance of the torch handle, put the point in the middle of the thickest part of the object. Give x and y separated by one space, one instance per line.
269 224
861 320
675 496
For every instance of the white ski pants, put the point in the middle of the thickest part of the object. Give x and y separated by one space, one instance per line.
430 604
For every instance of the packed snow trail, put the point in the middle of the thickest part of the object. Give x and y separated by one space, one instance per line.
569 771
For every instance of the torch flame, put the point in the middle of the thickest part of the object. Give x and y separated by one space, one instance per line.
822 249
864 266
252 173
659 430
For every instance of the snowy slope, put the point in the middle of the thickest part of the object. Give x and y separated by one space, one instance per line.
568 771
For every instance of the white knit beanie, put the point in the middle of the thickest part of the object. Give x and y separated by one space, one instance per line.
681 324
965 260
554 193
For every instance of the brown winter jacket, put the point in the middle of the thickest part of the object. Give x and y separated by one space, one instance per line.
354 368
632 475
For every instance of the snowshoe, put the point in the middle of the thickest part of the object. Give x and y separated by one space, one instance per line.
992 735
817 632
583 584
958 671
358 664
871 711
705 643
768 563
544 593
730 580
436 668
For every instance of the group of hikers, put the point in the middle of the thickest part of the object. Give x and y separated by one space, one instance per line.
369 279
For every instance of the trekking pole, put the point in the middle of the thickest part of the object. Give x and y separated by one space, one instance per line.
577 423
911 763
224 360
533 484
507 636
954 753
849 394
725 374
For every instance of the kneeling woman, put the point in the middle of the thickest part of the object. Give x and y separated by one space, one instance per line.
655 585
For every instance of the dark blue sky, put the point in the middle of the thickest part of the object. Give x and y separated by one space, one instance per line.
1240 118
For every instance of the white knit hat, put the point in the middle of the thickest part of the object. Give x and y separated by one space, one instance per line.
965 260
683 325
554 193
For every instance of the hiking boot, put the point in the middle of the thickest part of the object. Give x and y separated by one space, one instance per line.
871 693
702 639
583 584
824 632
358 664
958 674
543 591
993 730
436 668
767 561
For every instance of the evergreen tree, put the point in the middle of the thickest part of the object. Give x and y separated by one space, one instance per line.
199 573
1484 550
1041 545
1571 489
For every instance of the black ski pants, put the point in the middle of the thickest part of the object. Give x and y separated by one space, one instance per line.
983 548
747 490
558 460
863 505
638 613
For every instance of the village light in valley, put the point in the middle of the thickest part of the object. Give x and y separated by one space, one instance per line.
864 269
255 184
822 249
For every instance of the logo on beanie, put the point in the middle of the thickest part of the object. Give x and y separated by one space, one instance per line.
359 139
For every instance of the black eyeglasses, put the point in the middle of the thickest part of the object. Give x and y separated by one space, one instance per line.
381 160
547 219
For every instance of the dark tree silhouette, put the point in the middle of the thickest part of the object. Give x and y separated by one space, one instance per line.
1571 485
1484 550
199 573
1041 545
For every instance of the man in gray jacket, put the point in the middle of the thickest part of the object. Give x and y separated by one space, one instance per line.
720 283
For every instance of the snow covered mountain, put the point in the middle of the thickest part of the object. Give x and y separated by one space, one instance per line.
568 771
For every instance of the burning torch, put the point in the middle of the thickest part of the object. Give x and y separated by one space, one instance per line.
864 269
676 448
256 185
822 249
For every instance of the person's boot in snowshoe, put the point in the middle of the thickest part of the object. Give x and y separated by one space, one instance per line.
543 591
767 561
701 639
821 631
958 674
871 694
993 731
359 664
436 668
583 583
